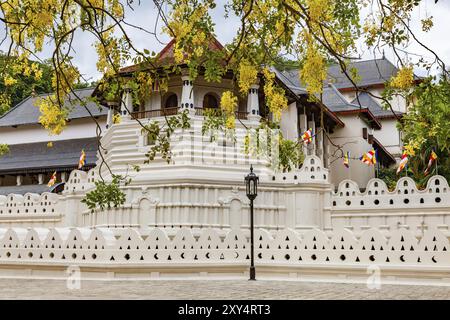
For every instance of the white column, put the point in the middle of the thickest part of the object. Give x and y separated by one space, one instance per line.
326 151
303 127
40 178
19 180
109 118
187 94
289 122
319 144
253 103
126 105
63 176
312 145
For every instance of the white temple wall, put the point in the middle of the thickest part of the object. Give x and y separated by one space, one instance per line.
197 193
351 139
289 122
389 136
404 207
76 129
300 207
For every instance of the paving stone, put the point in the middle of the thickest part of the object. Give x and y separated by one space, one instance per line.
211 289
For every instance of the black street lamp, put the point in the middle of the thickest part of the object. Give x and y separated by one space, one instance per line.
251 183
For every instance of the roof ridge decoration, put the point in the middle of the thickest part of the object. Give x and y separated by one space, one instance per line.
165 55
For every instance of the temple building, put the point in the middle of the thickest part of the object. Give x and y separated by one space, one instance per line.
342 120
31 161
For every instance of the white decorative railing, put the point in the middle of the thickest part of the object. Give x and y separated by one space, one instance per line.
405 194
80 181
405 206
84 246
312 171
44 209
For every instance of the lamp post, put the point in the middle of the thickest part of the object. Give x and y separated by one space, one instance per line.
251 183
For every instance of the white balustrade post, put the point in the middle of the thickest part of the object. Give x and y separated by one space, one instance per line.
303 127
187 95
112 107
312 145
126 105
319 145
253 103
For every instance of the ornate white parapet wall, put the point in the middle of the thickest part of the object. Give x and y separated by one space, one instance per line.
339 256
406 206
293 199
80 181
31 210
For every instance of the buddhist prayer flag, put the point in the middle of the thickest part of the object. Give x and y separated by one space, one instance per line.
433 158
82 159
52 180
402 163
347 159
307 136
369 158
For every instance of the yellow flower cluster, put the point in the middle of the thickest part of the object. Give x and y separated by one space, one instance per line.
117 118
228 103
275 97
52 117
178 54
247 143
370 31
314 69
427 24
109 55
144 81
4 149
247 76
185 25
404 78
63 80
410 148
9 81
320 10
230 122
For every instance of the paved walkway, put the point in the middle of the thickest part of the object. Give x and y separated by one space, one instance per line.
211 289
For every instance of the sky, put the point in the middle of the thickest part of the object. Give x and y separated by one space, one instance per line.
144 15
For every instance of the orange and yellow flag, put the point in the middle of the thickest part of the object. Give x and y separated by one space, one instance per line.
82 160
52 180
